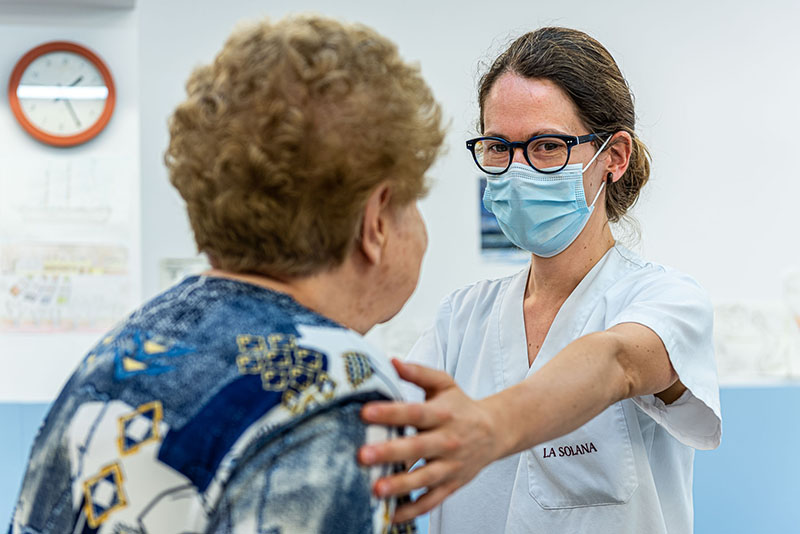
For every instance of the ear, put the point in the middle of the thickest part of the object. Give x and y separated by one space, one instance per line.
619 155
374 224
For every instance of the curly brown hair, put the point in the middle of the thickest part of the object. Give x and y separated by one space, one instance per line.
588 74
284 136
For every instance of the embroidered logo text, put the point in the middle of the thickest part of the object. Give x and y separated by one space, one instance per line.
569 450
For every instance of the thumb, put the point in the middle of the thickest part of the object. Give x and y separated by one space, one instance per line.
431 380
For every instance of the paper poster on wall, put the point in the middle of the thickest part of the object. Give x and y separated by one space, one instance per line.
85 198
759 341
67 243
47 288
791 290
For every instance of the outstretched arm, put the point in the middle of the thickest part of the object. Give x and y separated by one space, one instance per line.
459 436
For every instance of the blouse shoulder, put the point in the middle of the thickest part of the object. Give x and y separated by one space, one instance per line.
640 278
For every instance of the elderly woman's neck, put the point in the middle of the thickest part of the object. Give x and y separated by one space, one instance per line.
334 294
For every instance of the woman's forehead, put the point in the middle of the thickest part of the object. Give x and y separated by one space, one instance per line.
522 107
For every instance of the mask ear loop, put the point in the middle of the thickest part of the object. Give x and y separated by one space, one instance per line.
599 150
603 184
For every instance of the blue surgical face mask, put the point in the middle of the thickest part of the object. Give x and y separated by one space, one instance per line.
538 212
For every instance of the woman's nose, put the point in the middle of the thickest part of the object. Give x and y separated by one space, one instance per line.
519 155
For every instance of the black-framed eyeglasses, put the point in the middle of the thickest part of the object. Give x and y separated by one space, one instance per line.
546 153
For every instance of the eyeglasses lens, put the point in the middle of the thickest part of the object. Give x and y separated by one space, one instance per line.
543 153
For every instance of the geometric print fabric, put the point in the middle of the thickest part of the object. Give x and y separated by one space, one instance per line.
140 427
114 465
103 495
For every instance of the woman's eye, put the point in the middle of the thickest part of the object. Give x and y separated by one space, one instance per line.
498 148
547 147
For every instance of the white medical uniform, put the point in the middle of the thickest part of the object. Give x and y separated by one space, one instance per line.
628 470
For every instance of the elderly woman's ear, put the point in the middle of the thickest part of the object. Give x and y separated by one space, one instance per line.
373 225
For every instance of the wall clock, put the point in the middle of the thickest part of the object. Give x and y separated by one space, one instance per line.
62 93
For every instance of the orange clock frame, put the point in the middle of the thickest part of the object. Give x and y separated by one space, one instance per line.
61 140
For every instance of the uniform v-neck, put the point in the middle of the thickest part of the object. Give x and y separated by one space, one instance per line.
568 322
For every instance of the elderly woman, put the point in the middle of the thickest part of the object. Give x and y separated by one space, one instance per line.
230 403
593 369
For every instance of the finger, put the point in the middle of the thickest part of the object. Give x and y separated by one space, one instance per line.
402 450
431 380
429 475
424 504
421 416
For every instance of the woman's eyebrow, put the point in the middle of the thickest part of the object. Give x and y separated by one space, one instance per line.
544 131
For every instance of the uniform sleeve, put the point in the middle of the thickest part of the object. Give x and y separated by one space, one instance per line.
679 311
430 348
308 480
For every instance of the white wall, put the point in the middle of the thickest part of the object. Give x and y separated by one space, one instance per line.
36 365
715 97
715 93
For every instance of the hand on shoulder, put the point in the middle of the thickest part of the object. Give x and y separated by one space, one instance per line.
456 437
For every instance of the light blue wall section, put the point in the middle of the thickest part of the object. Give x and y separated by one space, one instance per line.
18 426
750 484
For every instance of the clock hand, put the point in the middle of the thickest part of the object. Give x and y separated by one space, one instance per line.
72 111
73 84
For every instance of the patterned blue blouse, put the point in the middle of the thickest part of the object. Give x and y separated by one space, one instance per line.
219 406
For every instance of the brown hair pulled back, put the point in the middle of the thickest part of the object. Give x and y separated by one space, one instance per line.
587 73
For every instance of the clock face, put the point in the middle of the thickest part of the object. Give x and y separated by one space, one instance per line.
62 93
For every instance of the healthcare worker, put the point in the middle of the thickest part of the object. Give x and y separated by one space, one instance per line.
572 394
